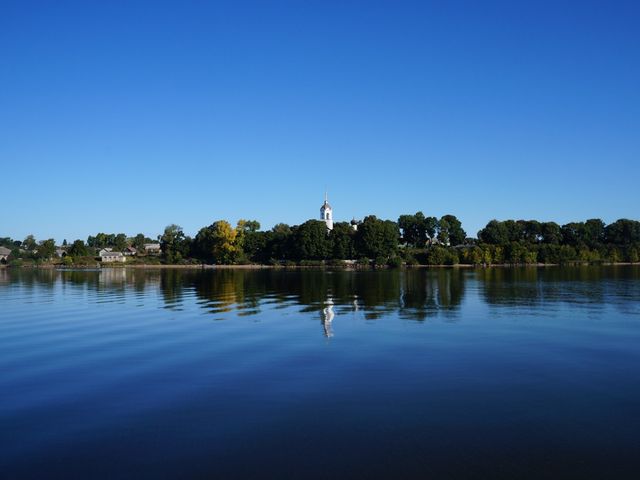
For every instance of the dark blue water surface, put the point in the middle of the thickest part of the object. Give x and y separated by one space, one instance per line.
494 373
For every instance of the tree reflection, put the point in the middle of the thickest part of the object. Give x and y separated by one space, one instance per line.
430 292
412 294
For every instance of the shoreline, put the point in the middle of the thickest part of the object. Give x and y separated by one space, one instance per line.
307 267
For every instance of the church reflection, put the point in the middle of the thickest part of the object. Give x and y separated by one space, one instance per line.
326 317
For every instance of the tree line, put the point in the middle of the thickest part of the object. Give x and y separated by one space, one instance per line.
413 239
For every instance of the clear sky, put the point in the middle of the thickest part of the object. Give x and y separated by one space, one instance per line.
125 116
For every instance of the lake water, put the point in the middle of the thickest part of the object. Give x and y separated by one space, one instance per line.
447 373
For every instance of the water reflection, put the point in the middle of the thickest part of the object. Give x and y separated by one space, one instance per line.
588 287
326 317
415 295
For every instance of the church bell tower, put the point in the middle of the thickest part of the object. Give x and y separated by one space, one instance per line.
326 213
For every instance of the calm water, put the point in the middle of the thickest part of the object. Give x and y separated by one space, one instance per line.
493 373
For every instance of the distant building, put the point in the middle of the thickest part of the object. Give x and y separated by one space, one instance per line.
4 254
130 251
354 224
61 252
326 213
152 248
111 257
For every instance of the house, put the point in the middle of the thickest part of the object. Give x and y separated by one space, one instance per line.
4 254
152 248
130 251
61 252
111 257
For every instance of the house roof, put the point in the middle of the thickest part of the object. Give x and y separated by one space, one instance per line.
4 251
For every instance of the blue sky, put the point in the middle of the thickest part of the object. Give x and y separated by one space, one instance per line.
128 116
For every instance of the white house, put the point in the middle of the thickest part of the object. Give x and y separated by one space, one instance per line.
111 257
152 248
4 254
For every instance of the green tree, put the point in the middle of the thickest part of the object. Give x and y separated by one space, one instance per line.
377 238
551 233
29 243
138 242
451 231
217 243
312 241
414 229
78 249
249 240
430 227
46 249
494 233
120 242
623 232
594 232
174 244
342 238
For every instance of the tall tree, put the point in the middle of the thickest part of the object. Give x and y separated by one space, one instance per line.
78 249
29 243
312 241
377 238
174 244
454 235
217 243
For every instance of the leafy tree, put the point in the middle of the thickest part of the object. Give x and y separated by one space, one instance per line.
279 243
342 238
29 243
451 231
138 242
78 249
494 233
413 229
377 238
120 242
531 231
623 232
551 233
431 227
46 249
249 240
573 233
594 232
217 243
312 241
174 244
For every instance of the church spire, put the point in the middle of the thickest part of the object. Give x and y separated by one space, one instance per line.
326 213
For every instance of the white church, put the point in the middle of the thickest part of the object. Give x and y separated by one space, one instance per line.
326 214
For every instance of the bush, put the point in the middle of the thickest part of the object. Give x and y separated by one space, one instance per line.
380 262
395 262
364 262
336 263
437 256
311 263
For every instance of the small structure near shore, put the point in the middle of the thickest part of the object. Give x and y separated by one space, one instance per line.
4 254
112 257
152 248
